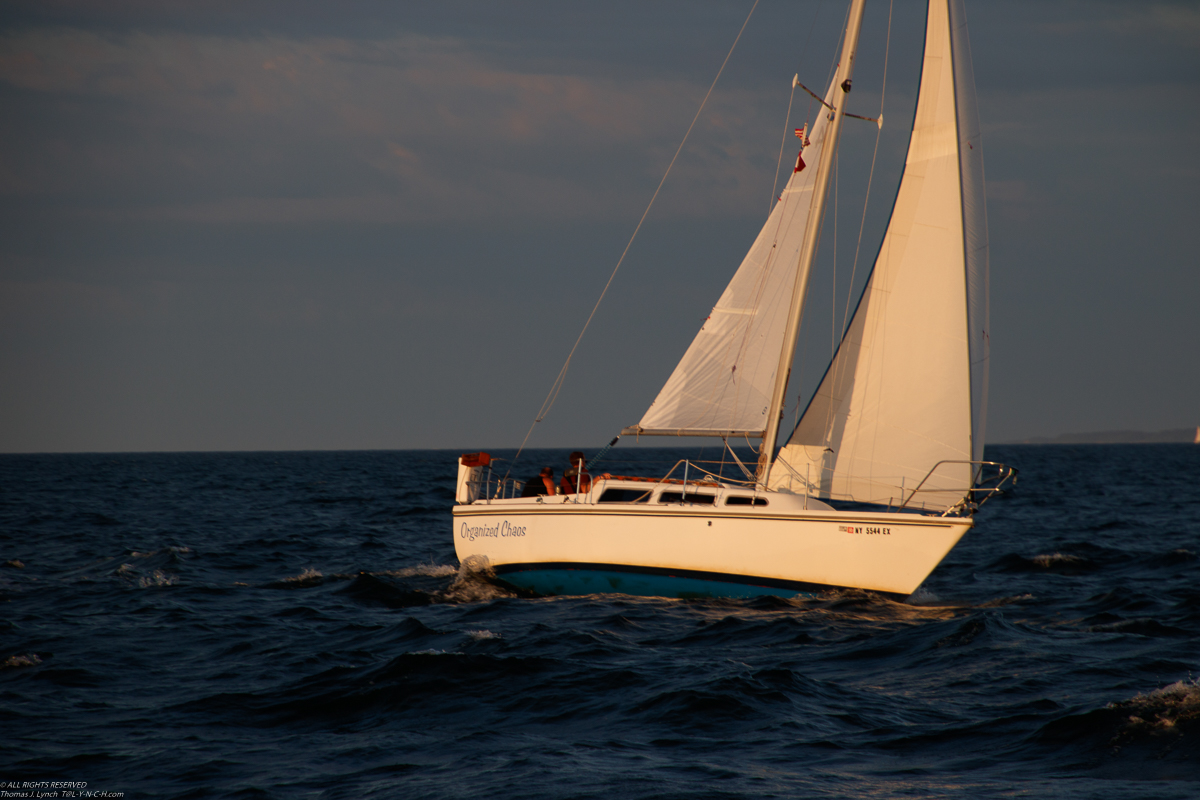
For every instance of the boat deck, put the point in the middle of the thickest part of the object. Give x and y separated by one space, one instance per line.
611 490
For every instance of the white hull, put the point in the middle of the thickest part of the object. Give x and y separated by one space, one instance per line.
781 549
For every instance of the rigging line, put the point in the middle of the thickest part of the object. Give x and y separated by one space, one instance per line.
836 365
837 48
548 403
815 96
799 384
749 475
788 119
596 458
871 175
833 300
819 233
833 65
799 374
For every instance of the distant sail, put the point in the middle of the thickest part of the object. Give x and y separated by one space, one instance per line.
907 388
723 383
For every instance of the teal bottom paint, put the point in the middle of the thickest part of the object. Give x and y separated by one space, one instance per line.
588 581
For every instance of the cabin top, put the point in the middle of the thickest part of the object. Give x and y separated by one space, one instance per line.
609 490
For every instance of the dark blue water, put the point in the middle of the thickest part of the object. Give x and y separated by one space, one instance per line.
293 625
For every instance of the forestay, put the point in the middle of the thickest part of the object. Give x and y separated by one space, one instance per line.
906 387
723 384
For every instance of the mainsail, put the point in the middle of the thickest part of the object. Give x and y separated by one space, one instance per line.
723 383
906 391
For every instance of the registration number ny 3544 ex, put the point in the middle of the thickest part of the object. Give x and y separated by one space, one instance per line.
867 529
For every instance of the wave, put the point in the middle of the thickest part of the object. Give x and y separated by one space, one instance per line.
1173 558
307 578
1153 736
428 680
430 570
372 590
424 584
25 660
1162 709
1063 563
475 582
482 635
1141 626
156 578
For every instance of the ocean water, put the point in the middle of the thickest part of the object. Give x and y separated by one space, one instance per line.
294 625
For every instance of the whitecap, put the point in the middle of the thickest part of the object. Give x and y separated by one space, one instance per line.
156 578
1052 559
1163 708
427 570
308 575
923 597
474 583
27 660
482 635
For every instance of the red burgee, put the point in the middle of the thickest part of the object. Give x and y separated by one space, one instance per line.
799 162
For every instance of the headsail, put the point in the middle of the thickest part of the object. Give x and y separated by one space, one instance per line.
906 389
723 383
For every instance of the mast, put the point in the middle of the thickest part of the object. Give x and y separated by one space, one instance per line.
808 253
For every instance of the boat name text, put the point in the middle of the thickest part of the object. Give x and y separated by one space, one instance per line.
502 528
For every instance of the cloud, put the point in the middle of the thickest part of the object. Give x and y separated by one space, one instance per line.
57 301
1015 201
1125 19
1180 20
406 129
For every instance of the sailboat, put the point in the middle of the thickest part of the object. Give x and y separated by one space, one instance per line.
883 472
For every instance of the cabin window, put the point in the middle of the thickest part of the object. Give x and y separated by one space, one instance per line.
743 500
692 497
625 496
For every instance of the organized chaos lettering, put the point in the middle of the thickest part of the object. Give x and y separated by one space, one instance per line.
501 529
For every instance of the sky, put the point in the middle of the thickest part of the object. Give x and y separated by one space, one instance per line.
376 225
